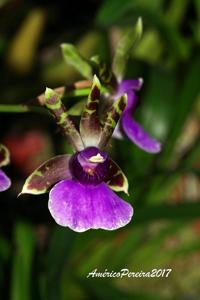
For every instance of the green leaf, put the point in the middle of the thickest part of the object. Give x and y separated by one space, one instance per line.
184 104
124 48
57 257
182 211
73 57
113 11
22 262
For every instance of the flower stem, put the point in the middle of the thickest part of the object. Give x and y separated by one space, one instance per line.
20 108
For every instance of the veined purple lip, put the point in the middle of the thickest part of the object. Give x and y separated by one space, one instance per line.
89 166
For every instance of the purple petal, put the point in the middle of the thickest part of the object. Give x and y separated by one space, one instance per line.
4 181
138 136
132 101
82 207
128 85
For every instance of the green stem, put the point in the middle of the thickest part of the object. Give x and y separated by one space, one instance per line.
24 108
83 92
20 108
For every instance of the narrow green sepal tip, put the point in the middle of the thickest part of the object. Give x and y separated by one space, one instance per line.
49 93
139 27
96 81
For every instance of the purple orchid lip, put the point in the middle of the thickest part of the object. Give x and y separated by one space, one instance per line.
82 207
89 166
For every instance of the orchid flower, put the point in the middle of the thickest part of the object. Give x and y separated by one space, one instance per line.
4 160
112 79
128 125
81 196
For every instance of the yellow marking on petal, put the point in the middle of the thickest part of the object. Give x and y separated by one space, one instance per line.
97 158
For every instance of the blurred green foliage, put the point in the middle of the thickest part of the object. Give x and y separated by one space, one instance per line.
38 259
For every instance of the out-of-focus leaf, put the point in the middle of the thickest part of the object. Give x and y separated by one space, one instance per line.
73 57
124 48
189 90
3 2
150 47
24 45
22 262
113 11
4 249
183 211
57 257
126 246
162 184
157 109
103 290
144 253
176 11
77 108
57 72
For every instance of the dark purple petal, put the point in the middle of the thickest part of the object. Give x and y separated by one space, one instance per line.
4 156
81 207
4 181
138 136
49 173
115 178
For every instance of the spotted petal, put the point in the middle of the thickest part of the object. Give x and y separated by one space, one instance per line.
54 104
4 181
89 126
112 117
116 179
4 156
82 207
137 134
49 173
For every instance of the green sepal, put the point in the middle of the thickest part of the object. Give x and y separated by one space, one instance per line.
116 179
90 128
112 117
54 104
4 156
49 173
73 57
124 48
